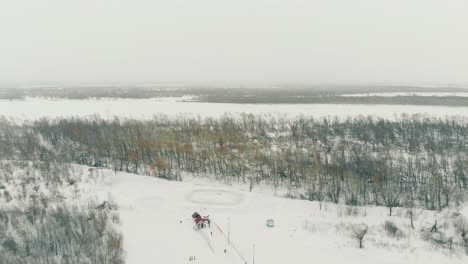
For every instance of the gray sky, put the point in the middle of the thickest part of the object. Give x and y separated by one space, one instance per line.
234 42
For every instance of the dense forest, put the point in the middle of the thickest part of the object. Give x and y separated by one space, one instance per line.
412 161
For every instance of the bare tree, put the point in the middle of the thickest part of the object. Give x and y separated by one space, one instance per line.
359 232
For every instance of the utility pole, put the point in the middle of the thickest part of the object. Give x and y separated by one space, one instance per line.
229 231
253 254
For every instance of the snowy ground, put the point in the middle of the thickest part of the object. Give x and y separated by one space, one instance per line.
34 108
155 219
157 227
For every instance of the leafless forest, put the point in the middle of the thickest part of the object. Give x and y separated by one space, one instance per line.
410 162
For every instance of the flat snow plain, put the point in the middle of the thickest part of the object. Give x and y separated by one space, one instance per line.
34 108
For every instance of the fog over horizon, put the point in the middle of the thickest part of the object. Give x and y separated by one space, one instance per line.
181 42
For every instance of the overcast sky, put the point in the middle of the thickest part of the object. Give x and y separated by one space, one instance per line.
234 42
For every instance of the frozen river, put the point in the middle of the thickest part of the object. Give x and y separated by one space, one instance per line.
34 108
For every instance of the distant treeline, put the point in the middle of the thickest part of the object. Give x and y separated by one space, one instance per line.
318 94
412 161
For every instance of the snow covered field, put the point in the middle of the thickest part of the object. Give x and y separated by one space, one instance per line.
157 227
34 108
155 220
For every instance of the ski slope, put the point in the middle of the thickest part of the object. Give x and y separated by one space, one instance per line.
157 227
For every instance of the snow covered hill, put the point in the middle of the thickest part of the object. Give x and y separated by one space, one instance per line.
157 227
154 216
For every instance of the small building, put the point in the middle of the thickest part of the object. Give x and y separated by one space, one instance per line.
270 223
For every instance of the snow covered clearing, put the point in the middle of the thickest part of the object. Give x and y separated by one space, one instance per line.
35 108
157 227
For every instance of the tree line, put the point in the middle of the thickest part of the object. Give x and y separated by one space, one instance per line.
411 161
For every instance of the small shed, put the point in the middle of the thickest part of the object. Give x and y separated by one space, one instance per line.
270 223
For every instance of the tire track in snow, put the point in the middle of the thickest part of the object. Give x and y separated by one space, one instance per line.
231 244
206 238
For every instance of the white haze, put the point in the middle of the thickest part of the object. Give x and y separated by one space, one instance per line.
234 42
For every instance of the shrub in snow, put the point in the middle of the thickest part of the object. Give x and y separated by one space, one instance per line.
10 245
392 229
34 213
437 238
7 196
351 211
438 235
